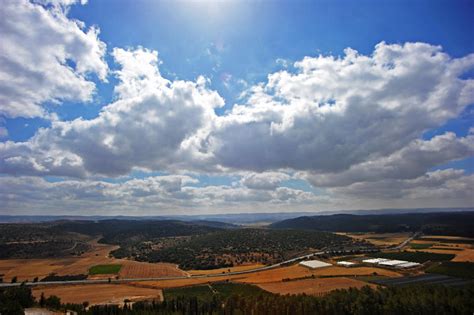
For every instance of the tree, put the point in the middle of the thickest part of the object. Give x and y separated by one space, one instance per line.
42 300
53 302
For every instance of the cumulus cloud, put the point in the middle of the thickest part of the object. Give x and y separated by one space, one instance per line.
159 194
352 123
439 188
268 180
145 128
46 57
409 162
338 112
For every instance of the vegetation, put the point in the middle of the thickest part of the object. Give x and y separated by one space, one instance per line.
420 245
449 223
208 292
455 269
54 277
105 269
420 257
38 241
123 232
14 300
226 248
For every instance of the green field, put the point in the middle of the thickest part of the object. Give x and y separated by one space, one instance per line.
454 269
104 269
207 292
420 246
419 257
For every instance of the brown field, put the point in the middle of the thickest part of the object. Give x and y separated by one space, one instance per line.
225 270
380 239
28 269
466 254
135 269
446 237
312 286
296 271
109 293
274 275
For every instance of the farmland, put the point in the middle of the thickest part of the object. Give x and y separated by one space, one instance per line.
312 286
109 293
105 269
206 292
380 239
28 269
204 249
455 269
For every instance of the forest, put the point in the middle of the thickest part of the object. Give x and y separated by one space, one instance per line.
238 246
439 223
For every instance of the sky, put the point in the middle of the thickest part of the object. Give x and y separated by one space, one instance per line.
197 107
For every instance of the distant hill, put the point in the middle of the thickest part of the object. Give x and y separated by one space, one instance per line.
444 223
233 218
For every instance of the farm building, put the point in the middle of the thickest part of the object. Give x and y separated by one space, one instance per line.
374 260
313 264
408 265
346 263
392 263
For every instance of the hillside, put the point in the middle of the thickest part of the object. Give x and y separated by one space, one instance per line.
456 223
226 248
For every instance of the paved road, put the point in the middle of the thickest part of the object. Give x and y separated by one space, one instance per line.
408 240
125 280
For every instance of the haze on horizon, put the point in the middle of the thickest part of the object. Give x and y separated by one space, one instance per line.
190 107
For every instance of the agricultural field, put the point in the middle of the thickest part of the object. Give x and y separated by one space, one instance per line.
109 293
424 279
135 269
461 247
28 269
105 269
225 270
206 292
380 239
313 286
416 246
455 269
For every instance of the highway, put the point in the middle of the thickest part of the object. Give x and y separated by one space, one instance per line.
405 242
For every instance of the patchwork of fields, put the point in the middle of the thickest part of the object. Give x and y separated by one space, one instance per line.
293 279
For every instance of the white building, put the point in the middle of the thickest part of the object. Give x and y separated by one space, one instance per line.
313 264
346 263
408 265
374 260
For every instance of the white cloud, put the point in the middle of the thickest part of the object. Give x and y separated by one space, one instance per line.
45 57
268 180
409 162
147 127
439 188
339 112
153 195
352 123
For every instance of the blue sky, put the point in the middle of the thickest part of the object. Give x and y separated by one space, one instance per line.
237 47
